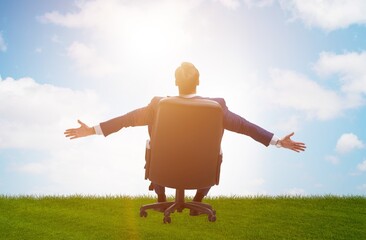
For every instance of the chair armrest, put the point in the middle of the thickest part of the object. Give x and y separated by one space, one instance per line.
219 167
147 159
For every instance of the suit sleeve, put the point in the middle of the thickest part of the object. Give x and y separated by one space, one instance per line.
238 124
139 117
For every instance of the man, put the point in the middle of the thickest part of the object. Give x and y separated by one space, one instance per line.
187 80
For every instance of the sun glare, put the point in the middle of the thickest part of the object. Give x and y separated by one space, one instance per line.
156 37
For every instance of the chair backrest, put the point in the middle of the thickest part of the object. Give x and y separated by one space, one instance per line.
185 143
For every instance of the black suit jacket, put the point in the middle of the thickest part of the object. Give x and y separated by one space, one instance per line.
146 115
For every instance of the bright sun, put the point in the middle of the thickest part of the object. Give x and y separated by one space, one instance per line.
156 37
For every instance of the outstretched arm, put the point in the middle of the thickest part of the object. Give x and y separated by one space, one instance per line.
287 142
83 131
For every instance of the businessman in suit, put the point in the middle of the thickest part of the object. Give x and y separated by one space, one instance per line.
187 80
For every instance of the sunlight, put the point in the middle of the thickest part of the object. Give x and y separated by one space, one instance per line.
154 35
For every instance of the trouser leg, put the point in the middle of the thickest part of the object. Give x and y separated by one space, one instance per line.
158 188
200 194
160 191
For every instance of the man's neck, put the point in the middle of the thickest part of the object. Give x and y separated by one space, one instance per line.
192 95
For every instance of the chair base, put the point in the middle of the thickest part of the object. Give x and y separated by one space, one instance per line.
178 205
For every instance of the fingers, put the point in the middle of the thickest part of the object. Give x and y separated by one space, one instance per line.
298 147
295 146
287 142
81 123
71 133
290 135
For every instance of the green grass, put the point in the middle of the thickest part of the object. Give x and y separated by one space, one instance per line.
83 217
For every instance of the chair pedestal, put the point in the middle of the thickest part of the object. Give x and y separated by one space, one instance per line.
178 205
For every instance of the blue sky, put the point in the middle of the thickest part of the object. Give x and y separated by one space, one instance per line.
286 65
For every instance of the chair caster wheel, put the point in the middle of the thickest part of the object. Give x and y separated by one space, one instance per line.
212 218
143 213
167 219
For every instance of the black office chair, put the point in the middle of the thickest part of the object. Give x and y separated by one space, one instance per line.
184 152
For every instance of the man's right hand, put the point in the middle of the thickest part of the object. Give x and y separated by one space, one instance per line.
82 131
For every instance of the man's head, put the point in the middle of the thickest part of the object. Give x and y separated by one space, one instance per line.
187 78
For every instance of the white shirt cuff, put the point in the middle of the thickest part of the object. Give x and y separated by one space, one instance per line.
274 141
98 130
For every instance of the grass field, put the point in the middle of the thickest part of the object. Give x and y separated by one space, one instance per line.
79 217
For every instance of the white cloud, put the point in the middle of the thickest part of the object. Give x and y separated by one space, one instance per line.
3 46
258 3
87 166
89 62
351 69
293 90
362 166
348 142
125 35
231 4
33 119
332 159
234 4
32 113
327 14
289 123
